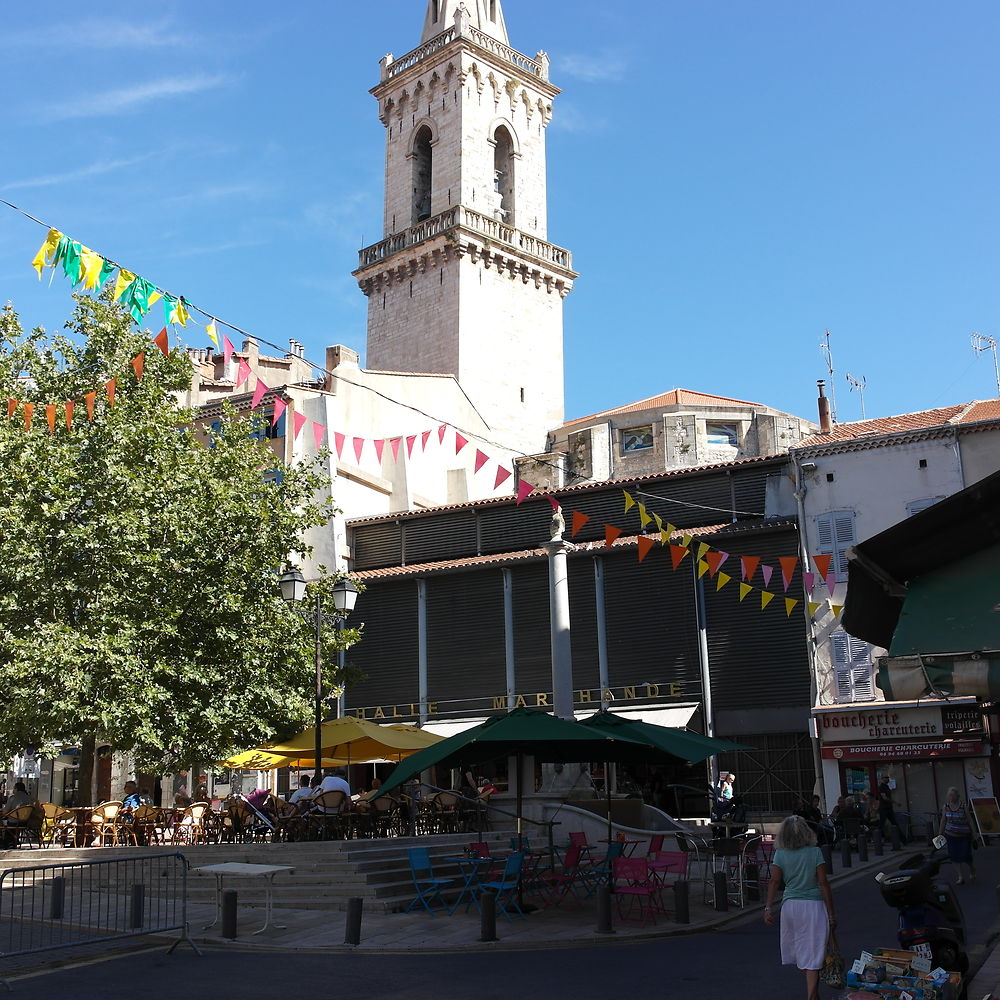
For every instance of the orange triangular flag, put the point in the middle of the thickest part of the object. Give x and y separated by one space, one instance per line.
822 564
137 365
579 520
745 589
677 553
813 607
29 409
162 342
715 560
70 405
11 407
765 599
836 609
749 566
790 603
110 386
610 534
629 502
50 416
788 564
722 580
89 399
702 568
645 543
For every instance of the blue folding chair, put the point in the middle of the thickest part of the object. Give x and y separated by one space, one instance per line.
601 872
424 881
506 886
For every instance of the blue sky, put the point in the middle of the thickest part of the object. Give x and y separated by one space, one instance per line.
733 178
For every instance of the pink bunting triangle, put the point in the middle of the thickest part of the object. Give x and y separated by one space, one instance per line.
481 459
339 440
359 444
394 443
258 394
410 442
831 582
441 431
379 448
243 373
279 408
553 501
227 350
524 490
319 434
502 476
424 438
298 422
767 571
808 581
460 442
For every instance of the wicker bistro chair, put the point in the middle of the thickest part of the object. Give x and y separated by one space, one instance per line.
329 819
58 825
288 820
386 820
194 825
104 821
22 825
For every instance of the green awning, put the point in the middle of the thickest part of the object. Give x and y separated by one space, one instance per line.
907 678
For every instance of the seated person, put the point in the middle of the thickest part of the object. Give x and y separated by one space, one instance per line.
873 813
131 798
17 798
334 781
303 794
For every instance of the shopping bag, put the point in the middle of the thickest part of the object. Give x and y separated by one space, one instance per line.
832 972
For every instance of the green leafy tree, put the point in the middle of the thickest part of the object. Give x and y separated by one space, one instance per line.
139 601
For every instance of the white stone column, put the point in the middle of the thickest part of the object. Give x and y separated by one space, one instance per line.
559 625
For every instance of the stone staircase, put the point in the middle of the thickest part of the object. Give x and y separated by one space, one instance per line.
327 873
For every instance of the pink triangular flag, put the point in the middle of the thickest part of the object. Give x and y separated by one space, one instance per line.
258 394
767 571
299 421
460 442
808 581
502 476
481 459
552 500
394 443
359 443
379 447
339 439
279 408
243 373
524 490
227 350
831 582
441 431
319 434
410 442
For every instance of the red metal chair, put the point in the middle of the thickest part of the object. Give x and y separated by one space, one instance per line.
634 884
555 886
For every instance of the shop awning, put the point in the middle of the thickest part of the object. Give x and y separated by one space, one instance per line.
949 674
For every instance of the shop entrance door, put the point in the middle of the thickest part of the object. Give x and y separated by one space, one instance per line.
858 779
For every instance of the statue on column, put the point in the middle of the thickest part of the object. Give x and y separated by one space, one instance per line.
557 526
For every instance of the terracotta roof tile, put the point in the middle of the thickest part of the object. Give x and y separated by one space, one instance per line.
676 397
978 409
920 420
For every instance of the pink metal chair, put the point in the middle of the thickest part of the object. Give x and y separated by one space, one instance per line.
634 884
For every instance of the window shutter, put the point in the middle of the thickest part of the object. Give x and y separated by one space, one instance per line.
852 667
835 532
916 506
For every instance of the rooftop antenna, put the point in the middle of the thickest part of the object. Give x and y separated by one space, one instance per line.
824 346
984 342
858 384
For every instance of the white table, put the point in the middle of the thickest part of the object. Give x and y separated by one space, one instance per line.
240 870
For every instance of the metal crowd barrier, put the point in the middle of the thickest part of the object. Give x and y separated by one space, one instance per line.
68 904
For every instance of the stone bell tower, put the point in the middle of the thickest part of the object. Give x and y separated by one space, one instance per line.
465 281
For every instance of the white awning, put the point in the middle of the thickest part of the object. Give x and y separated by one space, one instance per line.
675 716
451 728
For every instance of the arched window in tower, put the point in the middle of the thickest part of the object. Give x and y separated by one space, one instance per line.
503 174
493 11
422 172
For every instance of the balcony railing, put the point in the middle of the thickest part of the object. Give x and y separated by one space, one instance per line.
480 38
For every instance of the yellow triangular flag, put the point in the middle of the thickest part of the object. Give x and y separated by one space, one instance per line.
629 502
124 279
721 580
790 603
659 522
178 314
91 267
703 547
836 609
47 249
664 538
765 599
745 589
686 541
154 297
644 517
813 607
702 568
213 334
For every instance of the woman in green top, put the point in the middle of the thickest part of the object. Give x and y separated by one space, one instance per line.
807 905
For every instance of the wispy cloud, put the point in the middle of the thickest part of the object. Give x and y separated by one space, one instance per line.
126 99
99 34
219 192
569 118
81 173
604 67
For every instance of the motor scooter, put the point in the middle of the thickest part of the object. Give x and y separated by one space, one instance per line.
929 911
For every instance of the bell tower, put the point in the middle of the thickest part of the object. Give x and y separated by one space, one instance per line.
464 280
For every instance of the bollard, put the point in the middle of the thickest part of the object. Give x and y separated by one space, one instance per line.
604 910
682 902
827 850
897 840
721 881
229 914
877 842
488 916
930 831
137 904
845 853
57 898
862 847
352 930
751 875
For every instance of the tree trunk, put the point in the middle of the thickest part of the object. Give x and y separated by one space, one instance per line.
88 771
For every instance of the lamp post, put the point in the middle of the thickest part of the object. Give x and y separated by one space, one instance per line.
345 593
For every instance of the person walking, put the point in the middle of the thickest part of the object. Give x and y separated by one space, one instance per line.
807 915
888 811
956 827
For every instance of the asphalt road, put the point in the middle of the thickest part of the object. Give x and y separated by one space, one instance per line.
738 961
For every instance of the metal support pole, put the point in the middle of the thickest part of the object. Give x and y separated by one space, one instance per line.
352 931
721 883
318 623
862 847
229 914
682 907
57 897
877 842
845 853
897 840
604 910
488 916
751 874
137 903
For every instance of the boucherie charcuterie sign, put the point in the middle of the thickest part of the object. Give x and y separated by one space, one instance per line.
888 723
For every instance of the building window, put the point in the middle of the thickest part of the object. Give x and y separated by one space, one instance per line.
835 532
852 667
493 10
916 506
724 434
637 439
276 428
503 172
274 476
423 166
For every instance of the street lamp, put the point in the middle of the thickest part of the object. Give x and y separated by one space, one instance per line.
345 593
